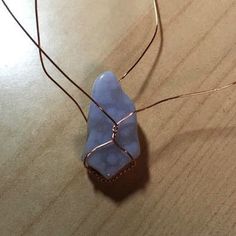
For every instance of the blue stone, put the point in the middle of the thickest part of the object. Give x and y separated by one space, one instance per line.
110 160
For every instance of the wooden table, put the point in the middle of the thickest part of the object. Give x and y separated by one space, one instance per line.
185 180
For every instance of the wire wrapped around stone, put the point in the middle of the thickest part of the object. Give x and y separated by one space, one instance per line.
115 130
111 146
112 140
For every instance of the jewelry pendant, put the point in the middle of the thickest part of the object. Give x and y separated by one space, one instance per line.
111 148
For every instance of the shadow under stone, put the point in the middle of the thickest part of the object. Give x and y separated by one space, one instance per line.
132 181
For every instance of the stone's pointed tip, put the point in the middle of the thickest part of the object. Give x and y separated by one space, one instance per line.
106 75
104 85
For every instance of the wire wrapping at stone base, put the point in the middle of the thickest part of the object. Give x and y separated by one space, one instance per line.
113 140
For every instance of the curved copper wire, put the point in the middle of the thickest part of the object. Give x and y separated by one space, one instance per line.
113 140
150 43
130 69
94 150
116 128
56 66
116 124
129 167
185 95
43 65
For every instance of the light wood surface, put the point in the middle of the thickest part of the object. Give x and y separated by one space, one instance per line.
185 181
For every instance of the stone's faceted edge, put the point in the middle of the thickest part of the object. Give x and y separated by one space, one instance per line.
109 160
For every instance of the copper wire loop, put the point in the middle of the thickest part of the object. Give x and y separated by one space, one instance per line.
115 124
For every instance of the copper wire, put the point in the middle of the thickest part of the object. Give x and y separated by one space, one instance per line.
41 51
150 43
160 101
56 66
115 131
116 125
43 65
114 141
209 91
130 69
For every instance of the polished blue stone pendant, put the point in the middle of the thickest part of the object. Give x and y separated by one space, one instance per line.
107 151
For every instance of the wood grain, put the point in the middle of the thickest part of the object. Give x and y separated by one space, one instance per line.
185 180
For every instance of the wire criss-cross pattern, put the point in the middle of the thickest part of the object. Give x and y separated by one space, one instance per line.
115 124
113 140
124 75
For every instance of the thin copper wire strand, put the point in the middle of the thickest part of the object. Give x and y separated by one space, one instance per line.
185 95
94 150
123 150
150 43
113 140
43 65
209 91
58 68
116 177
